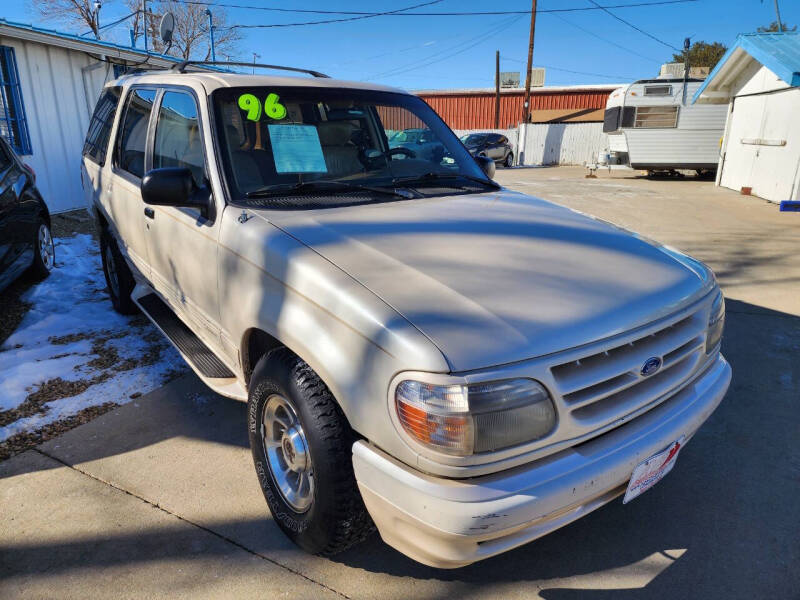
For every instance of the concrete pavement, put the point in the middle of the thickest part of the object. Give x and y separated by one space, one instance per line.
159 497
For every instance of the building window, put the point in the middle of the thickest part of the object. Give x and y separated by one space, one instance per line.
13 125
656 117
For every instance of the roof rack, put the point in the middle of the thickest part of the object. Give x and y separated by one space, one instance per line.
181 67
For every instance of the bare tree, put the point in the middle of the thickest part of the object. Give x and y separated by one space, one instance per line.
191 38
73 12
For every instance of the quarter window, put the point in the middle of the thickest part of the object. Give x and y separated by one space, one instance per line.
656 117
133 137
99 132
178 142
13 124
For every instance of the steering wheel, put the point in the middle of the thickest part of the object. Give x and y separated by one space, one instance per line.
401 150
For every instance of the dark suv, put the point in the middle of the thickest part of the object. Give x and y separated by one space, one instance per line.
491 145
25 239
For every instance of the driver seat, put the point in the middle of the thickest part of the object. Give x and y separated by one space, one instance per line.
341 155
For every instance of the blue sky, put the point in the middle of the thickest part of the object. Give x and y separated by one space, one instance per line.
452 52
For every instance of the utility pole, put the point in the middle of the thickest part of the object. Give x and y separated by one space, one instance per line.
211 33
778 13
255 56
497 89
144 22
97 6
526 113
687 43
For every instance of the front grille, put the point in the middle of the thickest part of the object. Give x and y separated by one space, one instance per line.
601 387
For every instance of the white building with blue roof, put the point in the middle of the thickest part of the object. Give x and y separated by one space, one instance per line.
759 78
49 83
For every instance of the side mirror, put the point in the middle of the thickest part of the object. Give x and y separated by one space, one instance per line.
487 165
175 186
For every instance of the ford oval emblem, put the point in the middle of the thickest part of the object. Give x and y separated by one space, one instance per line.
650 366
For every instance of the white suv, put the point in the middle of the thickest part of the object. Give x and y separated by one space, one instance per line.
465 367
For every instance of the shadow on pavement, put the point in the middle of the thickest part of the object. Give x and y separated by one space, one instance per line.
723 524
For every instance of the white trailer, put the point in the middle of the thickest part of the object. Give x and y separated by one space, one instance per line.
652 125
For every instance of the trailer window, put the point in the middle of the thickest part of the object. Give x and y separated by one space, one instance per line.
658 90
656 117
611 119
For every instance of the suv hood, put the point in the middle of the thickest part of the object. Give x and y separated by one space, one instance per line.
500 277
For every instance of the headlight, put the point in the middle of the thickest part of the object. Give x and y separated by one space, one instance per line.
716 323
469 419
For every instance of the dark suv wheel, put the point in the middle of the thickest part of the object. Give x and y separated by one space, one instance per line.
44 252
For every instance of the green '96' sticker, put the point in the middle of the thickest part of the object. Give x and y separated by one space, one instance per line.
254 109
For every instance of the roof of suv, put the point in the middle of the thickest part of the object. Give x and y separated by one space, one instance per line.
214 80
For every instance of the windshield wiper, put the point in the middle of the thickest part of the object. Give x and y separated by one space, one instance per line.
433 177
305 187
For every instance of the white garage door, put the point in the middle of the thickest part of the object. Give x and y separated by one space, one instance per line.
771 170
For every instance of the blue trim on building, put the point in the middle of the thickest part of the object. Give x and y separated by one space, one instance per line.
13 122
78 38
779 52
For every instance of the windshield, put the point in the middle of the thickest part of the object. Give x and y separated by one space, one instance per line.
473 139
303 140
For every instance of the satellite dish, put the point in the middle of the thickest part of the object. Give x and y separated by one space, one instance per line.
166 27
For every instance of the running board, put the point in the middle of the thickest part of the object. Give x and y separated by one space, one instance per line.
203 360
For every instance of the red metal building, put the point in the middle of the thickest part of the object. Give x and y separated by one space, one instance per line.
475 108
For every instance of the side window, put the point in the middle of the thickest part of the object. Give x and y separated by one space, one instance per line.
99 132
133 133
178 142
656 117
503 140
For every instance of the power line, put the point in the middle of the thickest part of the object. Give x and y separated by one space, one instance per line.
629 24
403 12
322 22
471 43
615 77
601 38
425 14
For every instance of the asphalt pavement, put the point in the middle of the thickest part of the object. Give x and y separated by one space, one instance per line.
159 497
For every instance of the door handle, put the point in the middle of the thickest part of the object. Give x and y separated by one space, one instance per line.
149 213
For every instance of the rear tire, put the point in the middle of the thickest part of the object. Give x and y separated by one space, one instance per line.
119 278
44 251
509 161
302 451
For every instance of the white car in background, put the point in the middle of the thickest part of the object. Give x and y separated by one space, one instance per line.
464 367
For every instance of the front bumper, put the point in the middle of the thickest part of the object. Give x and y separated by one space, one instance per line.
450 523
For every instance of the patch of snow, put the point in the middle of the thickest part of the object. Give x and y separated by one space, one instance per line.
73 302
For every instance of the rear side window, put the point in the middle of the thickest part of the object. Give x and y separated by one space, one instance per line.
96 144
178 142
133 133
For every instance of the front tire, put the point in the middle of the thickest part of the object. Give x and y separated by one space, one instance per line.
509 161
44 252
119 278
301 444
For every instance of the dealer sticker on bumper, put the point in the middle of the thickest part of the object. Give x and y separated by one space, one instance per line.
650 472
